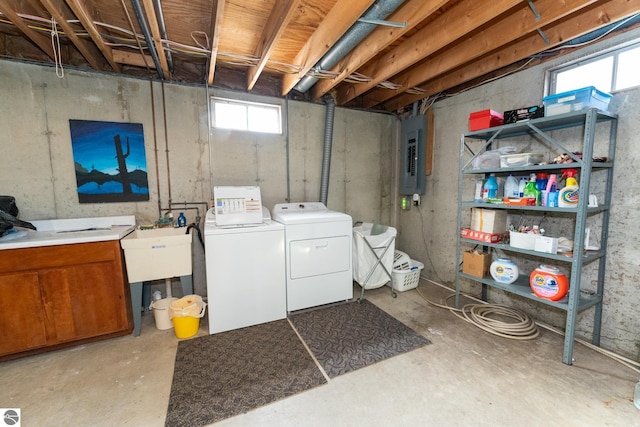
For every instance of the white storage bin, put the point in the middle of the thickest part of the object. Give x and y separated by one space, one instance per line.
522 240
520 160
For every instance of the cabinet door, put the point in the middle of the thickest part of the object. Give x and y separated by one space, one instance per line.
82 301
22 324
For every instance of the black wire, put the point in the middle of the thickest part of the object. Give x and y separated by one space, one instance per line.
194 225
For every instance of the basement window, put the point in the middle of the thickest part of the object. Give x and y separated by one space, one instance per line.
246 116
611 71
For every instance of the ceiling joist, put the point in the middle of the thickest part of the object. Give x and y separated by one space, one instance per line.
511 27
412 12
43 42
335 24
578 24
281 14
79 9
464 17
217 14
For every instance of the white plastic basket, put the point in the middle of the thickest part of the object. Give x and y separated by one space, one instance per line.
401 261
407 275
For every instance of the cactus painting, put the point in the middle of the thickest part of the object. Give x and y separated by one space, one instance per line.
110 161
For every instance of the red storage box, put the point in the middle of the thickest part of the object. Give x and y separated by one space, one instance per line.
485 119
467 233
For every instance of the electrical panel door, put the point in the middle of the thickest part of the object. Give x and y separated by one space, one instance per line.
413 155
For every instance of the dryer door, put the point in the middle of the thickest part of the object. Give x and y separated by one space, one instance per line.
313 257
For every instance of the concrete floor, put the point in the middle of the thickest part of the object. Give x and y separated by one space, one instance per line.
466 377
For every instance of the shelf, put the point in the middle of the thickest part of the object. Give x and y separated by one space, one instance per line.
521 287
588 257
545 124
572 211
595 166
539 132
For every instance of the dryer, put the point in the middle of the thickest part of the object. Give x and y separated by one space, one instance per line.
318 247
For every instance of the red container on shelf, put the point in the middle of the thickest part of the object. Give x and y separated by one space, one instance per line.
484 119
549 283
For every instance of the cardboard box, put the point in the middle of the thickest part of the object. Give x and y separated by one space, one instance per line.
476 263
522 114
467 233
484 119
490 221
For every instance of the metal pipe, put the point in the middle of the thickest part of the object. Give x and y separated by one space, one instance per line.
328 141
147 36
166 141
163 31
155 145
354 35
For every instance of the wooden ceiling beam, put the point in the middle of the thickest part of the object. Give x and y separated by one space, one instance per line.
505 31
55 7
216 24
152 21
335 24
133 58
79 9
412 12
281 14
463 18
40 40
586 20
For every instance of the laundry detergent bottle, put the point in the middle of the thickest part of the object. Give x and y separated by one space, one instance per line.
568 196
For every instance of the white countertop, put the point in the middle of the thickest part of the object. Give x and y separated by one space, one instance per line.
69 231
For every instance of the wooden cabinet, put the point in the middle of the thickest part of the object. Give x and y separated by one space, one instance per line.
57 296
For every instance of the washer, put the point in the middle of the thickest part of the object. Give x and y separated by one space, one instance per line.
245 269
318 245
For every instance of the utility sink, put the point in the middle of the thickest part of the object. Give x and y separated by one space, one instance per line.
158 253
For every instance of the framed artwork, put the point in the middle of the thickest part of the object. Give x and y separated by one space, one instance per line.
110 161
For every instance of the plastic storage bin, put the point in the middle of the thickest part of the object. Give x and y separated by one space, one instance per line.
520 160
522 240
576 100
484 119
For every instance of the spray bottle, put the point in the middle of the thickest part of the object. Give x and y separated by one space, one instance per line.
568 196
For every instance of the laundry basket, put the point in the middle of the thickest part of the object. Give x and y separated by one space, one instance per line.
406 273
373 248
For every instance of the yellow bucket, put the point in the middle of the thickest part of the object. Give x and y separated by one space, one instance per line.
185 314
186 326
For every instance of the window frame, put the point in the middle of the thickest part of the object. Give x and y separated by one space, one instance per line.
614 52
246 105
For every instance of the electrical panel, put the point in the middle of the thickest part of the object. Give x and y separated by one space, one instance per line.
413 155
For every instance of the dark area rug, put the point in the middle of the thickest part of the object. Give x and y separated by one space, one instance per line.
350 336
222 375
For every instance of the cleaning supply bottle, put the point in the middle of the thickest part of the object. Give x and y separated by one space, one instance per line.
511 187
521 185
568 196
490 189
530 190
182 220
551 196
541 184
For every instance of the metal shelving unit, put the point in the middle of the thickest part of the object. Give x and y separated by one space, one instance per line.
542 129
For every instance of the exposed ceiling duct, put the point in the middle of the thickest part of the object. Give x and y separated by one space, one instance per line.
361 29
147 36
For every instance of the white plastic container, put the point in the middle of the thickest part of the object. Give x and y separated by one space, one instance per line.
522 240
504 270
160 310
511 187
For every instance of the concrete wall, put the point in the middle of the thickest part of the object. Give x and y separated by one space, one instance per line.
428 233
184 160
